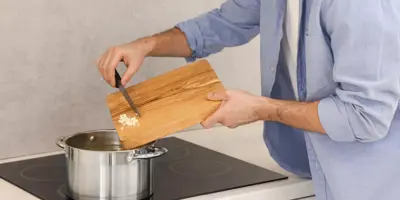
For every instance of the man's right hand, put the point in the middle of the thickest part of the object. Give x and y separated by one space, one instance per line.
132 54
169 43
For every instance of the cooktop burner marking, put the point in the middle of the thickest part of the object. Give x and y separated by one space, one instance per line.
179 152
196 168
53 173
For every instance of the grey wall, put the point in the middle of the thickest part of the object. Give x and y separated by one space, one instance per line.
49 85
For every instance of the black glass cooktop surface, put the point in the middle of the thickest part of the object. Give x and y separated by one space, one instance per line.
187 170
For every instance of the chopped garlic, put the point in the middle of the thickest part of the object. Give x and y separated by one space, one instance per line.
128 121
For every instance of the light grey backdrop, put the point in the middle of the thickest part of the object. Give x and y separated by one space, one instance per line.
49 85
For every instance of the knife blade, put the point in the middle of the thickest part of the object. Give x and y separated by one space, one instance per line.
122 89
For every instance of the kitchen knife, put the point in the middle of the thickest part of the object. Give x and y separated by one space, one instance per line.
121 88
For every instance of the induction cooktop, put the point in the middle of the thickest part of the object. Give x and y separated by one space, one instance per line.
187 170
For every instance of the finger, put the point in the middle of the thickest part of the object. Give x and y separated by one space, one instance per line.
100 66
213 119
218 96
108 70
128 74
104 65
113 63
97 62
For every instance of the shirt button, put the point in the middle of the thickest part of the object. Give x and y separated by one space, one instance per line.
272 69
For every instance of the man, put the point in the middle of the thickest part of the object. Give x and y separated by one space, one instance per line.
330 85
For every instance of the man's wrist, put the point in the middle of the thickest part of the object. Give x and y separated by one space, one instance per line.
147 44
267 109
171 43
301 115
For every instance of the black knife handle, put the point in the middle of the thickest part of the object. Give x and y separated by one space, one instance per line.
117 79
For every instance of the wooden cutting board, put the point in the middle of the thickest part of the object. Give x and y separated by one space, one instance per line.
168 103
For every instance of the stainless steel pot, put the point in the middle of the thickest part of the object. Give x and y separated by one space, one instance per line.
98 169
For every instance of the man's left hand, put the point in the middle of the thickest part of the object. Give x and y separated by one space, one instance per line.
237 108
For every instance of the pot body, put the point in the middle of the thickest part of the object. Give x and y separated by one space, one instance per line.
99 170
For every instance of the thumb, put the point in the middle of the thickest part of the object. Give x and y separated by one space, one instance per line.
132 67
218 96
128 75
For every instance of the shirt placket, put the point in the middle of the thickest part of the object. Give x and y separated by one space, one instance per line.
301 65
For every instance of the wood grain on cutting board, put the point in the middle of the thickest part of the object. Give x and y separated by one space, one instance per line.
168 103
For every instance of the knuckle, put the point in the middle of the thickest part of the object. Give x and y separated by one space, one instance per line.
116 50
225 122
232 126
229 123
113 49
106 77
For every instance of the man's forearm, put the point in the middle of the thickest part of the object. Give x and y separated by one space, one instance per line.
170 43
302 115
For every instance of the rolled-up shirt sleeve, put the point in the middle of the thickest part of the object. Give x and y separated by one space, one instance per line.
235 23
365 42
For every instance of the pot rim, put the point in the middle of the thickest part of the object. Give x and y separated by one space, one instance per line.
62 144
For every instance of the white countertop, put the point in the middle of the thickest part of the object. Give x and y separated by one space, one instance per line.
245 143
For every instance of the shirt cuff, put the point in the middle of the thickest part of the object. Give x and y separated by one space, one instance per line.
194 38
332 115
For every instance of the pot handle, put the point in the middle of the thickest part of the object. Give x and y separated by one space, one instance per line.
155 152
60 142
